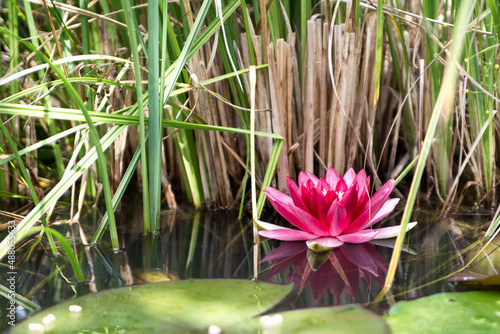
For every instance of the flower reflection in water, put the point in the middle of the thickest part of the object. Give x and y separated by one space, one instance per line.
336 270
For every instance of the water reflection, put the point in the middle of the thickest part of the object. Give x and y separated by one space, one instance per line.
216 244
336 270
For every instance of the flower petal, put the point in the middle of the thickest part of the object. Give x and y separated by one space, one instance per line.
363 196
350 201
269 226
332 177
285 250
287 235
349 177
384 211
361 256
304 177
310 224
319 205
341 187
305 190
392 231
371 208
363 183
323 244
278 196
295 193
337 219
358 237
296 216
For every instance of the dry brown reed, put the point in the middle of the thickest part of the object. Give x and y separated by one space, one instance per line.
328 113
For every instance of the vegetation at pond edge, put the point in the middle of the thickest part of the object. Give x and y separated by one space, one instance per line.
210 102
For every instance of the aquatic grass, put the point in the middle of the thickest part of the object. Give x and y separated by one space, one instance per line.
132 33
273 15
13 12
178 69
481 54
401 65
90 157
392 83
156 90
442 109
186 53
117 197
52 127
305 9
379 52
28 182
95 140
255 215
20 300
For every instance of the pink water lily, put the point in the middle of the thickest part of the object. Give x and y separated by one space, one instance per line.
331 211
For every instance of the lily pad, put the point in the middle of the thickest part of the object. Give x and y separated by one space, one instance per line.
340 319
170 307
469 312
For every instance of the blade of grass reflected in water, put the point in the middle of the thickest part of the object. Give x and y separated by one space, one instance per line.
67 249
20 300
192 244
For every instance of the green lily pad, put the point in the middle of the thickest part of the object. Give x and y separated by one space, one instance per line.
340 319
170 307
469 312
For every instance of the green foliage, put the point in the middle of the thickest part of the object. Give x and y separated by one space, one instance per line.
367 87
234 306
173 307
474 312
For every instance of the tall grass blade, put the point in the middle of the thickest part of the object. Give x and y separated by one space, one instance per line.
120 191
218 7
379 55
256 247
154 127
132 33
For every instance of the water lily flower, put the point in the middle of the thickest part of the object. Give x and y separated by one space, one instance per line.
331 211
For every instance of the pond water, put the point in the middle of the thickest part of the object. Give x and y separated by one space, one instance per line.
216 244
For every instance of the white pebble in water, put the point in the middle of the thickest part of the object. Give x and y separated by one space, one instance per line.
75 309
268 321
36 328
